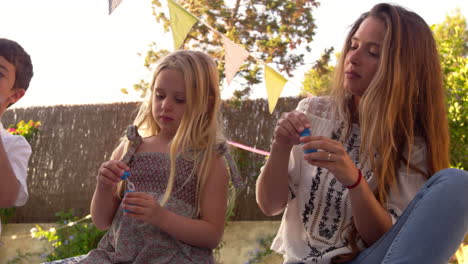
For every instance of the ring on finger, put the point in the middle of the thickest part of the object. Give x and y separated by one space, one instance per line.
329 156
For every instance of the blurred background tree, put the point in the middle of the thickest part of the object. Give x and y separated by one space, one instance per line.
317 81
452 40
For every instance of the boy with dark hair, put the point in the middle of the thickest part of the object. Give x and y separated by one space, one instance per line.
16 72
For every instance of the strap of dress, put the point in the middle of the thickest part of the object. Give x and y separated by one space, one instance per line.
236 177
135 141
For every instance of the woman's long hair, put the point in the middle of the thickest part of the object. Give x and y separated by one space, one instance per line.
404 100
199 130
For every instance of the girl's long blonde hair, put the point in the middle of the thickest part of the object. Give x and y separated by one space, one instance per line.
199 130
404 100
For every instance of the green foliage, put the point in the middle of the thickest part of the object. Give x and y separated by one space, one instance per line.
152 56
6 214
76 237
245 163
21 257
272 30
257 255
71 238
317 80
452 40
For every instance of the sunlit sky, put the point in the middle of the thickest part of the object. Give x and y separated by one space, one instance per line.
83 55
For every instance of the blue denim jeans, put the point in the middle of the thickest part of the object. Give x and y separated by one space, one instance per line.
430 229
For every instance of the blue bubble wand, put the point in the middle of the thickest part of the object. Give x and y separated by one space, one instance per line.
130 186
304 133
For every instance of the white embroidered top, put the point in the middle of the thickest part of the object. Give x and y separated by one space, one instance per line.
18 152
318 209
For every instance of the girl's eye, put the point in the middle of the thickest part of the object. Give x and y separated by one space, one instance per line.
374 53
180 101
160 97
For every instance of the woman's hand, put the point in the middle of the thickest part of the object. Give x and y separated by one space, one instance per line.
288 128
370 218
333 158
142 206
110 173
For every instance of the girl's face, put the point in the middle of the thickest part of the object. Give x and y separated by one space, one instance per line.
362 59
169 101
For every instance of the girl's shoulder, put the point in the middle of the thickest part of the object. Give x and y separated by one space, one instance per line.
320 106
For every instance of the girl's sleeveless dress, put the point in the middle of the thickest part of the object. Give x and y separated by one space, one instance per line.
133 241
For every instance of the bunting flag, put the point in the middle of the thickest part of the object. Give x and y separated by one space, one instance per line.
234 56
274 83
181 23
113 5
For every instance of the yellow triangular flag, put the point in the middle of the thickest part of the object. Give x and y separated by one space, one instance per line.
274 85
181 23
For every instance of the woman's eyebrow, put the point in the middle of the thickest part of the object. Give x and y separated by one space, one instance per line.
369 42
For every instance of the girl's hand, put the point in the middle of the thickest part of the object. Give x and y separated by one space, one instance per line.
110 173
333 157
289 126
142 206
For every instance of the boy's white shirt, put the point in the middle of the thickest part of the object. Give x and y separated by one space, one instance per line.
18 151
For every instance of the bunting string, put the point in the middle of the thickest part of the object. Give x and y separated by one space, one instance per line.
254 150
182 21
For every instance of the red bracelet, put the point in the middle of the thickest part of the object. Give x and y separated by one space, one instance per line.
357 181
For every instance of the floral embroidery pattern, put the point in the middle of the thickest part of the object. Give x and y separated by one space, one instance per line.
327 227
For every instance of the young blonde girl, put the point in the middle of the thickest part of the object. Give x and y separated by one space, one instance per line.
171 208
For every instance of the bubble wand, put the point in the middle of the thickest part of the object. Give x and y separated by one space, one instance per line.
304 133
130 186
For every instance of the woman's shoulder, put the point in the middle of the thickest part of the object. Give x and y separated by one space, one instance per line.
319 106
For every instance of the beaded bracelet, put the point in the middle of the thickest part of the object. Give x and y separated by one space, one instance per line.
357 181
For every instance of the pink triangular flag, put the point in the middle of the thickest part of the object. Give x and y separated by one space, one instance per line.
113 5
234 56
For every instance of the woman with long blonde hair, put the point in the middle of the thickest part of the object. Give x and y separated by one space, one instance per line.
370 183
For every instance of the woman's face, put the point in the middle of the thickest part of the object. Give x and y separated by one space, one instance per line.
362 59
